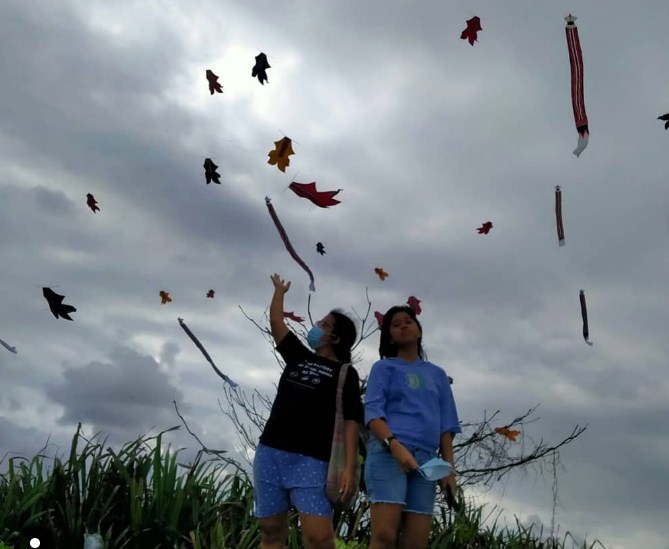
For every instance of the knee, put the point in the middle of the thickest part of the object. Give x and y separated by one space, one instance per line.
318 540
384 539
273 533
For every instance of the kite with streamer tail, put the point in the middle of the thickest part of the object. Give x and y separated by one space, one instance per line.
8 346
558 215
576 63
206 354
287 243
584 314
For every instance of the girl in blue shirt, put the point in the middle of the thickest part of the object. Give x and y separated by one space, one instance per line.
410 412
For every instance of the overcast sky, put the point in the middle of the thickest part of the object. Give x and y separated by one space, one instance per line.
427 136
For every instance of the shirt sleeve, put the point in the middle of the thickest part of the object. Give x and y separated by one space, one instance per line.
291 348
376 394
450 423
352 402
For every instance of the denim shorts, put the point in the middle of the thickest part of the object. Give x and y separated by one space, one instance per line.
387 483
282 479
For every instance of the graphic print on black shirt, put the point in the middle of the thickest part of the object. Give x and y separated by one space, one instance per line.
303 413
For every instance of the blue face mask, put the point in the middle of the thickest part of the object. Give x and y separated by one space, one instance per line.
314 337
435 469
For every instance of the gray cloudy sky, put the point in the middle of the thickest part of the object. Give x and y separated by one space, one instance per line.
427 136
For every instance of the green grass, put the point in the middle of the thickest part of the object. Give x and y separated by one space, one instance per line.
142 499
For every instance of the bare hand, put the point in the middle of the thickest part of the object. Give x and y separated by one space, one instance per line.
405 458
279 284
347 484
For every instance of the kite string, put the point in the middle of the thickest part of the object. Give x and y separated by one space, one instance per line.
206 354
289 246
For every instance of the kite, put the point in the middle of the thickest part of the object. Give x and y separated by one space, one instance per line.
287 243
92 203
379 318
206 354
164 297
8 346
292 316
558 215
485 228
319 248
279 156
309 191
210 172
382 274
584 315
665 117
576 63
414 303
58 308
511 434
473 27
260 67
210 293
213 83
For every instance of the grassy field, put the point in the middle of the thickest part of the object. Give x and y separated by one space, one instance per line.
142 499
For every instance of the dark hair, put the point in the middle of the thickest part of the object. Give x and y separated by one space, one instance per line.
388 349
344 329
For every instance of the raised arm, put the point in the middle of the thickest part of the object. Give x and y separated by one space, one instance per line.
277 325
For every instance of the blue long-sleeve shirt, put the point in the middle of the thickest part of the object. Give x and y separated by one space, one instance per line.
414 398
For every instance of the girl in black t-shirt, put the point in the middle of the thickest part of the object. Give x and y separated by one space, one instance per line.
291 462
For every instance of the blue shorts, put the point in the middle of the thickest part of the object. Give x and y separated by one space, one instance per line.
387 483
282 479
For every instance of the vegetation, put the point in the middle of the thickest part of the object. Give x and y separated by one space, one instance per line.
143 498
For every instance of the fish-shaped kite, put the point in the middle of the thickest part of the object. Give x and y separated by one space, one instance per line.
8 347
584 316
379 318
260 68
511 434
485 228
164 297
414 303
319 248
92 203
558 215
381 273
293 316
206 354
210 293
210 173
286 241
279 156
578 104
471 32
665 117
309 191
58 308
213 83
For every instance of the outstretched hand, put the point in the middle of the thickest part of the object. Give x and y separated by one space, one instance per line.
280 285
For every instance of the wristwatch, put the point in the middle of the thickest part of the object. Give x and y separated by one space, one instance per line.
387 441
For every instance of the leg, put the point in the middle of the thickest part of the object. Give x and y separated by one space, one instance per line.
417 516
317 531
385 523
274 531
415 530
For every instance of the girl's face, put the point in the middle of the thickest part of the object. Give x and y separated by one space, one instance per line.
327 325
403 329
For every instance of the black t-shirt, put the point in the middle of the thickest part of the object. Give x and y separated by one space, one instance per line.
303 414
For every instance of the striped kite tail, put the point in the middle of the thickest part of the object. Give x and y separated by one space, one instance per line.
289 246
558 215
576 64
